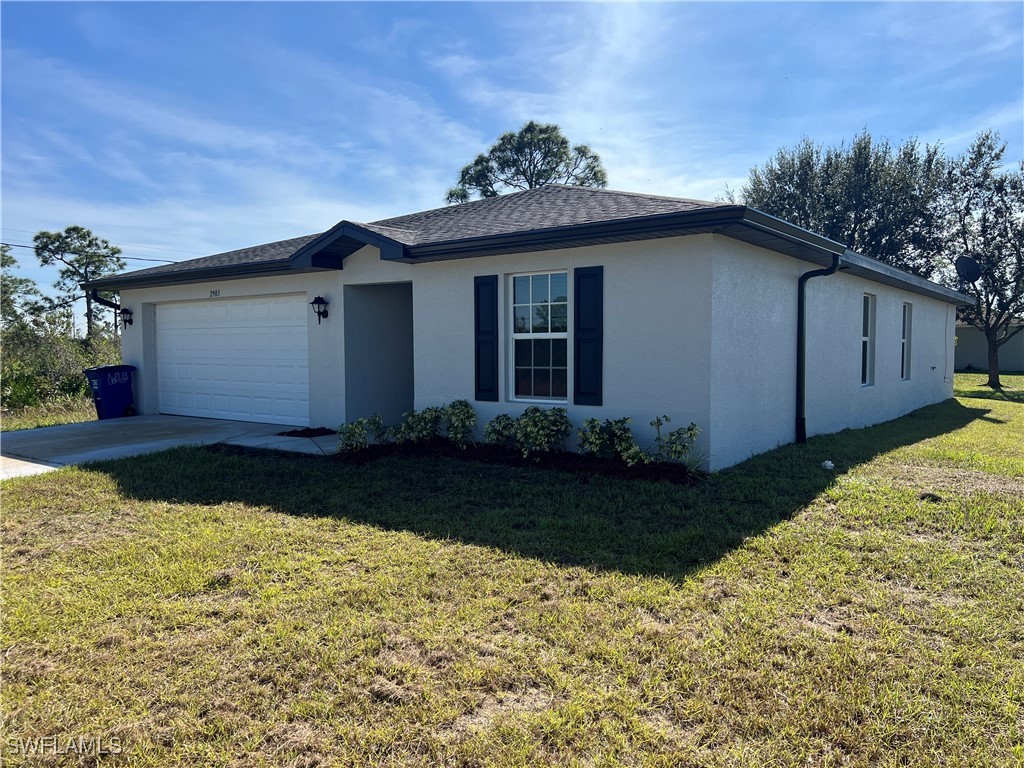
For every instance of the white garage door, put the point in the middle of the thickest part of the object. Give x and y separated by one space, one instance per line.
243 359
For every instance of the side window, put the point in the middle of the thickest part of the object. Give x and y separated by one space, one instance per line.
908 310
540 336
867 342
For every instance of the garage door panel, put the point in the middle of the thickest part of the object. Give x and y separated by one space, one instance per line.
262 375
242 359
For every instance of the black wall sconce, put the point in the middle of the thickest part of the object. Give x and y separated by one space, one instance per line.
319 305
126 317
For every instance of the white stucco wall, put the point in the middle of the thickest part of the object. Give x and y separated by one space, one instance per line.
835 397
657 349
753 338
972 349
701 328
656 345
753 382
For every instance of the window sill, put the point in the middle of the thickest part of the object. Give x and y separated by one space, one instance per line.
540 401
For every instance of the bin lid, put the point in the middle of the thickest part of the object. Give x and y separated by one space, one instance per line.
109 368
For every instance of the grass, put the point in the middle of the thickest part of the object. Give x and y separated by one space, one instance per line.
68 411
228 609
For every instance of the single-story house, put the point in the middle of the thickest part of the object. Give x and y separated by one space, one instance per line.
609 303
972 350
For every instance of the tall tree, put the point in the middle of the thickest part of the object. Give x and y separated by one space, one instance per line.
18 295
85 257
872 197
536 154
982 216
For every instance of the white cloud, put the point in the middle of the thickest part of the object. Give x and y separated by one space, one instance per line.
600 72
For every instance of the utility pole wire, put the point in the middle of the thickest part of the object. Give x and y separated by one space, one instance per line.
122 256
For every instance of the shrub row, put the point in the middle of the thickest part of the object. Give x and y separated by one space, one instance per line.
534 432
454 422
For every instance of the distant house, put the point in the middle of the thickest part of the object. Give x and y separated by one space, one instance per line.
609 303
972 350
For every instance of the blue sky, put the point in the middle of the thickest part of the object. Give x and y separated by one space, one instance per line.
178 130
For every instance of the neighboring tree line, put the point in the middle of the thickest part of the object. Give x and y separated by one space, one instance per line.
914 207
42 357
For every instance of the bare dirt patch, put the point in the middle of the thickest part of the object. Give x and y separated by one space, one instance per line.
494 706
932 481
837 620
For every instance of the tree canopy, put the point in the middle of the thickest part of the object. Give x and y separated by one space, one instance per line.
84 257
915 208
18 295
536 154
981 215
875 198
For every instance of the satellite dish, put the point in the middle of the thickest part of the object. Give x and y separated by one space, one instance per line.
968 269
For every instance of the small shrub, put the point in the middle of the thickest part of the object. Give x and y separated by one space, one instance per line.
611 439
21 388
501 430
541 431
679 445
353 437
381 433
460 421
455 421
421 426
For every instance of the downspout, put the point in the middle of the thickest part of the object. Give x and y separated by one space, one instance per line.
801 344
100 300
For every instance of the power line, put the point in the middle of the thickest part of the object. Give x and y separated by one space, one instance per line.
131 245
120 256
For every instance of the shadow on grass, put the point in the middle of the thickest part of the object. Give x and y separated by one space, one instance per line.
1004 395
972 385
635 527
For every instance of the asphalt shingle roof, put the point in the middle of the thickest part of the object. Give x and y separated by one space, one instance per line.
256 254
550 206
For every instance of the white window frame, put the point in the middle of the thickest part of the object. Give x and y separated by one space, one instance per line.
905 340
510 323
867 340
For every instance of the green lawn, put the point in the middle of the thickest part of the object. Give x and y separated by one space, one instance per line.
212 608
70 411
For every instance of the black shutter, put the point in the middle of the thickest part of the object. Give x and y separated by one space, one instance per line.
588 344
485 327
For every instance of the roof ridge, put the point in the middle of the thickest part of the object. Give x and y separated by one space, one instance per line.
644 195
381 226
547 185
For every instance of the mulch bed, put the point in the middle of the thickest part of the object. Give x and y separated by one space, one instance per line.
564 461
308 432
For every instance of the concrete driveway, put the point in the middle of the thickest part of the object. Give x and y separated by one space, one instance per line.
33 451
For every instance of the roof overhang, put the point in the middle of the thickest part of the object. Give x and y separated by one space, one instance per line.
197 275
329 250
326 252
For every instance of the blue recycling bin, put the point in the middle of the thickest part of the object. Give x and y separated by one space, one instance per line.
111 387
